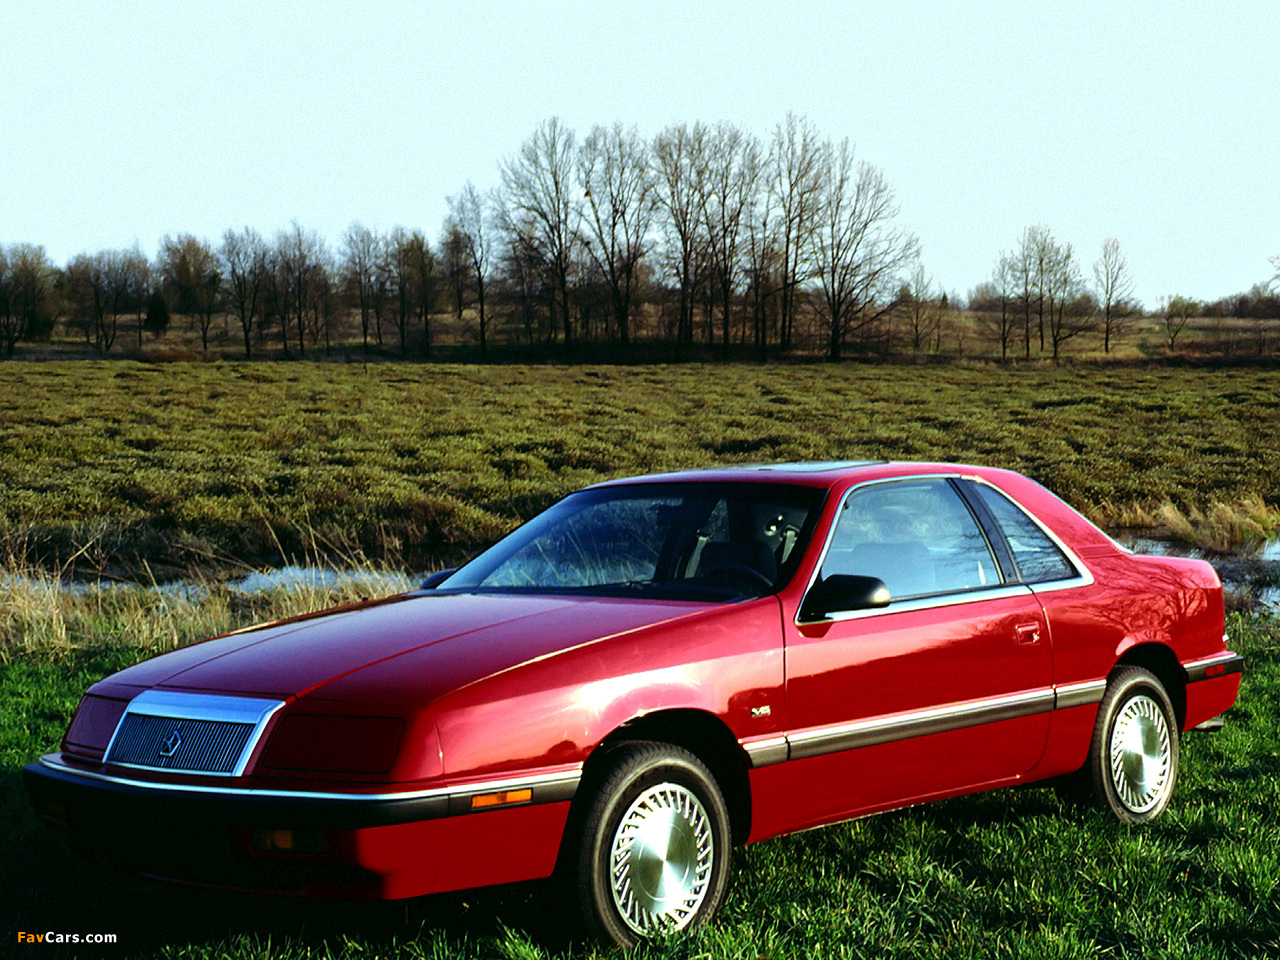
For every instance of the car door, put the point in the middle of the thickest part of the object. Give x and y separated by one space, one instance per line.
947 688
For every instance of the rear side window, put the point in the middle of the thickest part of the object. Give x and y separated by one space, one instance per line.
1038 558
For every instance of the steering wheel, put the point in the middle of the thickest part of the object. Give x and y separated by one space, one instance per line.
741 572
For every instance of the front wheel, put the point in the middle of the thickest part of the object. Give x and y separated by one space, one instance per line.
655 845
1133 759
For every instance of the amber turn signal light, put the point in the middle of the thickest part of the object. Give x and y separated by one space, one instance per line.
289 841
501 798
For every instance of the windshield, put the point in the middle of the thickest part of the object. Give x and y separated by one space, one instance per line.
696 541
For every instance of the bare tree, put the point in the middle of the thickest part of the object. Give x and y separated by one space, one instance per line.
679 156
918 302
797 160
994 301
763 259
616 176
382 285
326 297
539 187
246 259
1176 312
115 272
728 185
25 286
1031 277
1072 309
457 265
360 253
471 227
11 326
99 287
87 291
193 275
521 268
275 298
859 253
1264 311
400 259
1114 290
301 258
137 269
425 281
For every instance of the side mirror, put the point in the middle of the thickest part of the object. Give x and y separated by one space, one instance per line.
842 593
435 579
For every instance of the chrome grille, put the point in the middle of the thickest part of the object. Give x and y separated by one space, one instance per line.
200 746
190 732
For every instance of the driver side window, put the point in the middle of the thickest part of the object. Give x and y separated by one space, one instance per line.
915 535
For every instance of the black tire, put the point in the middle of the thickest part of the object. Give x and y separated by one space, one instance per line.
670 792
1133 758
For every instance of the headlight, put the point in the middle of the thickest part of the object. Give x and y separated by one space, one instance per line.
333 744
94 722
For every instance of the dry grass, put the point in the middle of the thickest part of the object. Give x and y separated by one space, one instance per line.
41 614
1221 527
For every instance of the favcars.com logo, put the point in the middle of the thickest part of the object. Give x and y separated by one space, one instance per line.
51 937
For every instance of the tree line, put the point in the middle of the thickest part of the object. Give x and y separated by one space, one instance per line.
704 238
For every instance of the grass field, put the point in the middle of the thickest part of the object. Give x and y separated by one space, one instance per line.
179 465
1017 873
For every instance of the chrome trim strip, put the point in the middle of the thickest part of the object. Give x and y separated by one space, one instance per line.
202 706
177 705
1209 661
1078 694
762 753
1198 670
926 603
918 723
462 790
1053 586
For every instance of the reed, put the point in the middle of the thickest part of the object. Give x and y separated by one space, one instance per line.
46 616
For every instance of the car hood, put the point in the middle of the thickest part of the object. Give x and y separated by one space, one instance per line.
469 635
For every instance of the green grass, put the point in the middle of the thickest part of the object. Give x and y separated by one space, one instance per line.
178 465
1016 873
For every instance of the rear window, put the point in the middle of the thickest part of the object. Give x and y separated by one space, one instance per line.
1036 555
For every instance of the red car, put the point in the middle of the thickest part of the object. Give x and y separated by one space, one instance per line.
649 673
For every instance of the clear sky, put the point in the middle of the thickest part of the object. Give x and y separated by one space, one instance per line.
1156 123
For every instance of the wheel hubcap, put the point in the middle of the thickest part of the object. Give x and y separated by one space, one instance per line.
1141 756
661 859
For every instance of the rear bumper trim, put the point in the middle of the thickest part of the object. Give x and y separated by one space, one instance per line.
1209 668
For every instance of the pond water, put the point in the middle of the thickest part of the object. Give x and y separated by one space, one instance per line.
1252 577
369 582
374 581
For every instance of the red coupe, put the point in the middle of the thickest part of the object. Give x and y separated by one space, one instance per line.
647 674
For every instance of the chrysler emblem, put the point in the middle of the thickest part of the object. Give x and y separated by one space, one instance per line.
171 744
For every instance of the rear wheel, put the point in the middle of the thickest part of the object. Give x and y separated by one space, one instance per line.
654 850
1133 759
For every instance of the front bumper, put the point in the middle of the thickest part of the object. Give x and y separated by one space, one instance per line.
359 846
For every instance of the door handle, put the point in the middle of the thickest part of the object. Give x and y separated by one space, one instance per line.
1027 632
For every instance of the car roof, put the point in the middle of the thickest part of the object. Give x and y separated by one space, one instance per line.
814 473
